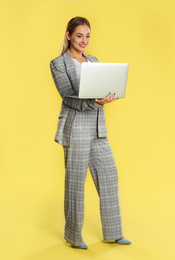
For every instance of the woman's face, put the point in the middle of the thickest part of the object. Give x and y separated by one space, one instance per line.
80 38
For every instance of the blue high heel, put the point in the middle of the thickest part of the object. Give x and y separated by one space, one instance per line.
123 241
83 246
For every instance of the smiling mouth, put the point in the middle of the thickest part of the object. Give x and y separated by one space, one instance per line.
82 45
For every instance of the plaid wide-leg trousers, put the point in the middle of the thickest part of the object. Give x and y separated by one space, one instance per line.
87 149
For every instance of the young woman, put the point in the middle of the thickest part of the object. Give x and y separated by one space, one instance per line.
82 131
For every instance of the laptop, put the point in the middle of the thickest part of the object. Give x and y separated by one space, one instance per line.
97 79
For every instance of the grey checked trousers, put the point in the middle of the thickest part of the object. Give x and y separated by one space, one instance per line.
87 149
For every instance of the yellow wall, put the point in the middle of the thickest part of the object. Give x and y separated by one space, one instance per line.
141 128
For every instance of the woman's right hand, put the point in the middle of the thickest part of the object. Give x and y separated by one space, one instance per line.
108 99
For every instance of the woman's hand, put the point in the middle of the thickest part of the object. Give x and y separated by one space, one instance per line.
108 99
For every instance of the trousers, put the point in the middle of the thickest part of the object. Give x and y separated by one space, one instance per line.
87 150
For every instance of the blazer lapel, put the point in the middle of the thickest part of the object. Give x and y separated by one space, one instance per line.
71 70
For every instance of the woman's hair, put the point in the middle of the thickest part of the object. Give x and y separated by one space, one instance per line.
72 24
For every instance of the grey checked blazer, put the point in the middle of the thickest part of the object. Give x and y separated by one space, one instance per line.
64 75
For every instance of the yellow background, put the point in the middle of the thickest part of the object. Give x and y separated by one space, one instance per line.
141 128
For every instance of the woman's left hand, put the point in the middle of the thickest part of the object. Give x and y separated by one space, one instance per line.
108 99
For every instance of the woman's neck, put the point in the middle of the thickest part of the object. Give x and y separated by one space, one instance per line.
75 54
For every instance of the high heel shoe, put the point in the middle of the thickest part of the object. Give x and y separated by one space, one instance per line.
123 241
83 246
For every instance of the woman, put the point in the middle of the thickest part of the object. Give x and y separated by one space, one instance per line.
82 131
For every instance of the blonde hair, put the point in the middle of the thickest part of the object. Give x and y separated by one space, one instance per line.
72 24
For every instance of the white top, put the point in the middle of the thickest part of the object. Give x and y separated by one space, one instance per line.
78 67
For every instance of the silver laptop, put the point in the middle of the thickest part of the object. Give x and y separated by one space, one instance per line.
97 79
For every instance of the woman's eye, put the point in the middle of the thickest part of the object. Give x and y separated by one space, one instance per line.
80 36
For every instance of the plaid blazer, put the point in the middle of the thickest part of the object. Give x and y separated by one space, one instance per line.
65 78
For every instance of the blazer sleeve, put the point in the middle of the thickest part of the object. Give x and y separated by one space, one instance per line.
66 91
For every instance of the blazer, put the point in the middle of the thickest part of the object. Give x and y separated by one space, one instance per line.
65 78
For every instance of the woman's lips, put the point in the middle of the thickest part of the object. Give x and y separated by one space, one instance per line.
82 46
